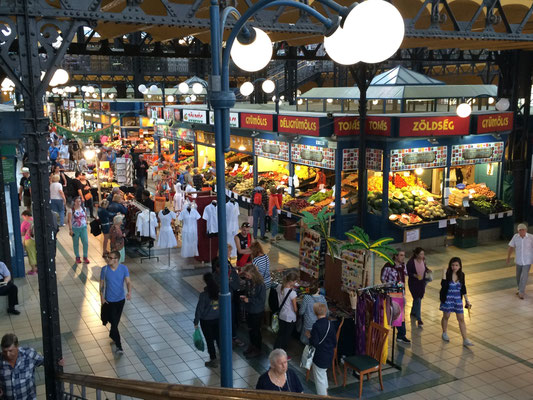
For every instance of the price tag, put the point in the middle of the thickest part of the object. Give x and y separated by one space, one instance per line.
430 199
446 201
466 203
509 213
453 221
322 190
472 191
482 185
289 214
290 180
215 188
332 204
228 193
248 200
500 215
447 192
235 195
443 223
492 216
251 169
235 167
279 211
321 187
412 235
343 201
312 202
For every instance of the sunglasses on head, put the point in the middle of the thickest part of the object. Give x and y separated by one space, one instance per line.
245 225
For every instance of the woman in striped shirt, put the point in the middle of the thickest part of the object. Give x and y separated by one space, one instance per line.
261 262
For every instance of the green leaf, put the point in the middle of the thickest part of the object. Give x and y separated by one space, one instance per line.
381 242
357 239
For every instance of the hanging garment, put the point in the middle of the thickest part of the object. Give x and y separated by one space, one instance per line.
211 218
360 326
189 233
166 239
386 325
232 222
146 223
179 198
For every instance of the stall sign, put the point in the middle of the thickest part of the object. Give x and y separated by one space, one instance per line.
233 119
177 114
8 169
264 122
241 143
313 156
309 126
272 149
434 126
477 153
205 138
168 113
195 116
422 157
186 135
344 126
495 122
350 159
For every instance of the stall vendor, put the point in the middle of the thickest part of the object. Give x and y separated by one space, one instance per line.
320 178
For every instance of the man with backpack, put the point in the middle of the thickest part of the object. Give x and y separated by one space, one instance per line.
259 207
53 152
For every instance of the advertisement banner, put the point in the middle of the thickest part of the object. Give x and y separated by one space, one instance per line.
434 126
344 126
309 126
264 122
233 119
195 116
495 122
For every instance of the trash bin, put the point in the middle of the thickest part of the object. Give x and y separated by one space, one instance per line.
289 228
466 232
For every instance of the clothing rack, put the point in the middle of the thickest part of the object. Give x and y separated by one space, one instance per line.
387 288
150 244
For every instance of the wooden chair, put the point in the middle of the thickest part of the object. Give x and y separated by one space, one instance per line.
335 362
366 364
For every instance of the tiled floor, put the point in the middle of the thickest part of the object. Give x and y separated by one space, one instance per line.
157 327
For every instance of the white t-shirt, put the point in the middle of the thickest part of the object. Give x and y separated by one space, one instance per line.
523 249
287 312
55 191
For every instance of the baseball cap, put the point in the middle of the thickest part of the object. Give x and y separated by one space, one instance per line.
25 169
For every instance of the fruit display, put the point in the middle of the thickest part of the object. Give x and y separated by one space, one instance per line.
430 210
297 205
486 205
480 189
320 196
286 198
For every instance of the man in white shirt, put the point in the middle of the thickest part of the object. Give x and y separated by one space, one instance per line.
522 244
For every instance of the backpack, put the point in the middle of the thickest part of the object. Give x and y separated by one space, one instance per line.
181 179
54 151
258 198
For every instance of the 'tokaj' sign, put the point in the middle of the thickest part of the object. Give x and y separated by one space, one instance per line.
434 126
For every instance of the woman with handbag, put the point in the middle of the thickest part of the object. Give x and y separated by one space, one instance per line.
452 291
324 339
254 303
26 231
207 314
77 226
106 219
287 310
86 192
419 274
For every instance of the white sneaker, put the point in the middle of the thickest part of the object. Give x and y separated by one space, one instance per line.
445 337
467 343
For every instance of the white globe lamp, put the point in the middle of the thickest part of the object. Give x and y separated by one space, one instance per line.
197 88
464 110
382 27
170 99
153 89
187 100
183 88
111 95
503 104
341 47
142 88
90 89
193 97
254 56
84 88
246 88
329 101
268 86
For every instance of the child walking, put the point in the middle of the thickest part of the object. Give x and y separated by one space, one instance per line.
452 290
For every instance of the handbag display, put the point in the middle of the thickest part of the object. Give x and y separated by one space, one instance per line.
274 325
309 352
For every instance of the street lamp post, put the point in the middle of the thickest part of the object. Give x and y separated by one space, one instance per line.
252 52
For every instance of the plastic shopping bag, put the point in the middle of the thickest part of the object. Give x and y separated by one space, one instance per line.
198 340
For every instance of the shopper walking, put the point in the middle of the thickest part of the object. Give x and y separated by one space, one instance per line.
417 271
279 377
452 291
259 207
77 225
58 200
106 219
26 231
207 314
25 189
307 310
274 206
395 273
113 276
117 237
522 244
141 171
254 299
287 313
323 338
84 189
261 262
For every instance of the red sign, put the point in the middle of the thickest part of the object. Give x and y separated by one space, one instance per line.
300 125
434 126
344 126
494 122
264 122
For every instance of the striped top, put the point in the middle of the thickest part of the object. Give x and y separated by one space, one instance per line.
262 263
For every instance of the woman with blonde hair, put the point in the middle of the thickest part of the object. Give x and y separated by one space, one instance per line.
254 299
117 237
57 198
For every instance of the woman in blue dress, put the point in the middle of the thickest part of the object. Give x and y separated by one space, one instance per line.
452 290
